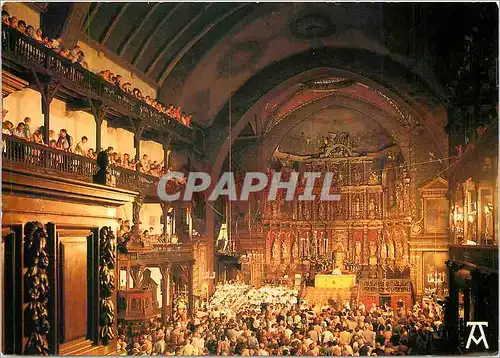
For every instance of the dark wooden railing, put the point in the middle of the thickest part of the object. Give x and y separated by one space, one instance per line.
33 156
485 256
26 51
161 253
388 285
20 153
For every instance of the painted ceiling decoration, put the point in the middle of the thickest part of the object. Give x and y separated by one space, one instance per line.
329 84
321 134
153 38
308 94
166 41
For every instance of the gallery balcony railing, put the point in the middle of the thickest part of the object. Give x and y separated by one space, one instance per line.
393 285
162 253
27 52
479 255
19 153
37 157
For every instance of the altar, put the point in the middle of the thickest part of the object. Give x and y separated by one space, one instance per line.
334 281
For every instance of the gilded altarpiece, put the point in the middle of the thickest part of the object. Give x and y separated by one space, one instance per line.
359 230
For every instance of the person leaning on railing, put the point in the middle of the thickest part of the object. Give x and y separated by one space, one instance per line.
77 56
6 130
5 18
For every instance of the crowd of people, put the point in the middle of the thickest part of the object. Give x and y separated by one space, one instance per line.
232 298
144 237
272 322
64 141
77 56
174 112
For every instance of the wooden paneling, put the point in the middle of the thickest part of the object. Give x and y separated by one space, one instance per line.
12 307
73 301
72 213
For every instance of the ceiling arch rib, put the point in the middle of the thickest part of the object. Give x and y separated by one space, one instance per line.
166 72
269 142
176 37
113 24
91 16
153 34
136 31
368 95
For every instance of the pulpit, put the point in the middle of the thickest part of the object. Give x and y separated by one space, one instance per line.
136 305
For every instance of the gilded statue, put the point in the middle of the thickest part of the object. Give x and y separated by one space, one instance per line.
373 252
374 178
390 249
383 250
372 208
337 145
357 209
358 252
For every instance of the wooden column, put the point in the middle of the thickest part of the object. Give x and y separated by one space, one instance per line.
451 313
164 208
99 113
136 214
210 228
190 289
128 277
166 305
48 89
138 131
166 145
467 292
74 23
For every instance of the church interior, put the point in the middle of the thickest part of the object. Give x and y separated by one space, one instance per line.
396 103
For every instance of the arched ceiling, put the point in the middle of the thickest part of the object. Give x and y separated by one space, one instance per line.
196 54
150 36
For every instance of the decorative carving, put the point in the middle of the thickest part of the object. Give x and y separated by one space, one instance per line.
337 145
36 260
107 244
329 84
136 216
374 178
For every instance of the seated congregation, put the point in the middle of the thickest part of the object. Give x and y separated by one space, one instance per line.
272 321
